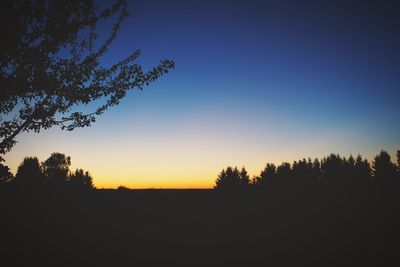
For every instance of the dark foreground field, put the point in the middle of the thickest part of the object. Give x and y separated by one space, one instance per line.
199 227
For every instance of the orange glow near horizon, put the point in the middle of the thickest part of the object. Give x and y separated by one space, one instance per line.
252 84
188 156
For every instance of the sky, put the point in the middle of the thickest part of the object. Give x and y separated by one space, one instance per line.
254 82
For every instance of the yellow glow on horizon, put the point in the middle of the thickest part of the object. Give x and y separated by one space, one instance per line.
176 183
191 156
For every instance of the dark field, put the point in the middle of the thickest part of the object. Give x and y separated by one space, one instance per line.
200 227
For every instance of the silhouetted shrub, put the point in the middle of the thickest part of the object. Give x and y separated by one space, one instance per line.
122 188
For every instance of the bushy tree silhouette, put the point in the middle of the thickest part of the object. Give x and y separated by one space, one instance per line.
51 65
284 174
383 169
302 171
56 169
268 176
81 180
255 181
349 165
30 174
362 171
228 180
316 170
53 174
333 171
398 161
122 188
244 178
5 175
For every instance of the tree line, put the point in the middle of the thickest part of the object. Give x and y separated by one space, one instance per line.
333 171
54 173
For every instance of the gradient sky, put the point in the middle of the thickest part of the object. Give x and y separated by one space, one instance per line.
255 82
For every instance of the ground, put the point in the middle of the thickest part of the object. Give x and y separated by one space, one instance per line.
198 227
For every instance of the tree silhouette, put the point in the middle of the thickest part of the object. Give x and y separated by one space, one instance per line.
50 65
30 174
5 175
228 180
383 169
303 173
268 176
316 170
53 173
332 168
81 180
350 164
122 188
244 178
398 161
362 171
333 173
255 181
56 169
284 174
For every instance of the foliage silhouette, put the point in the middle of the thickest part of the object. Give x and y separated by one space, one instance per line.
284 174
244 178
56 169
301 209
81 180
398 164
52 174
385 173
229 180
267 176
332 174
122 188
50 65
5 175
382 166
30 174
316 170
398 160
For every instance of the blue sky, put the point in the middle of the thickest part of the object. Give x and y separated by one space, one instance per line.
255 82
